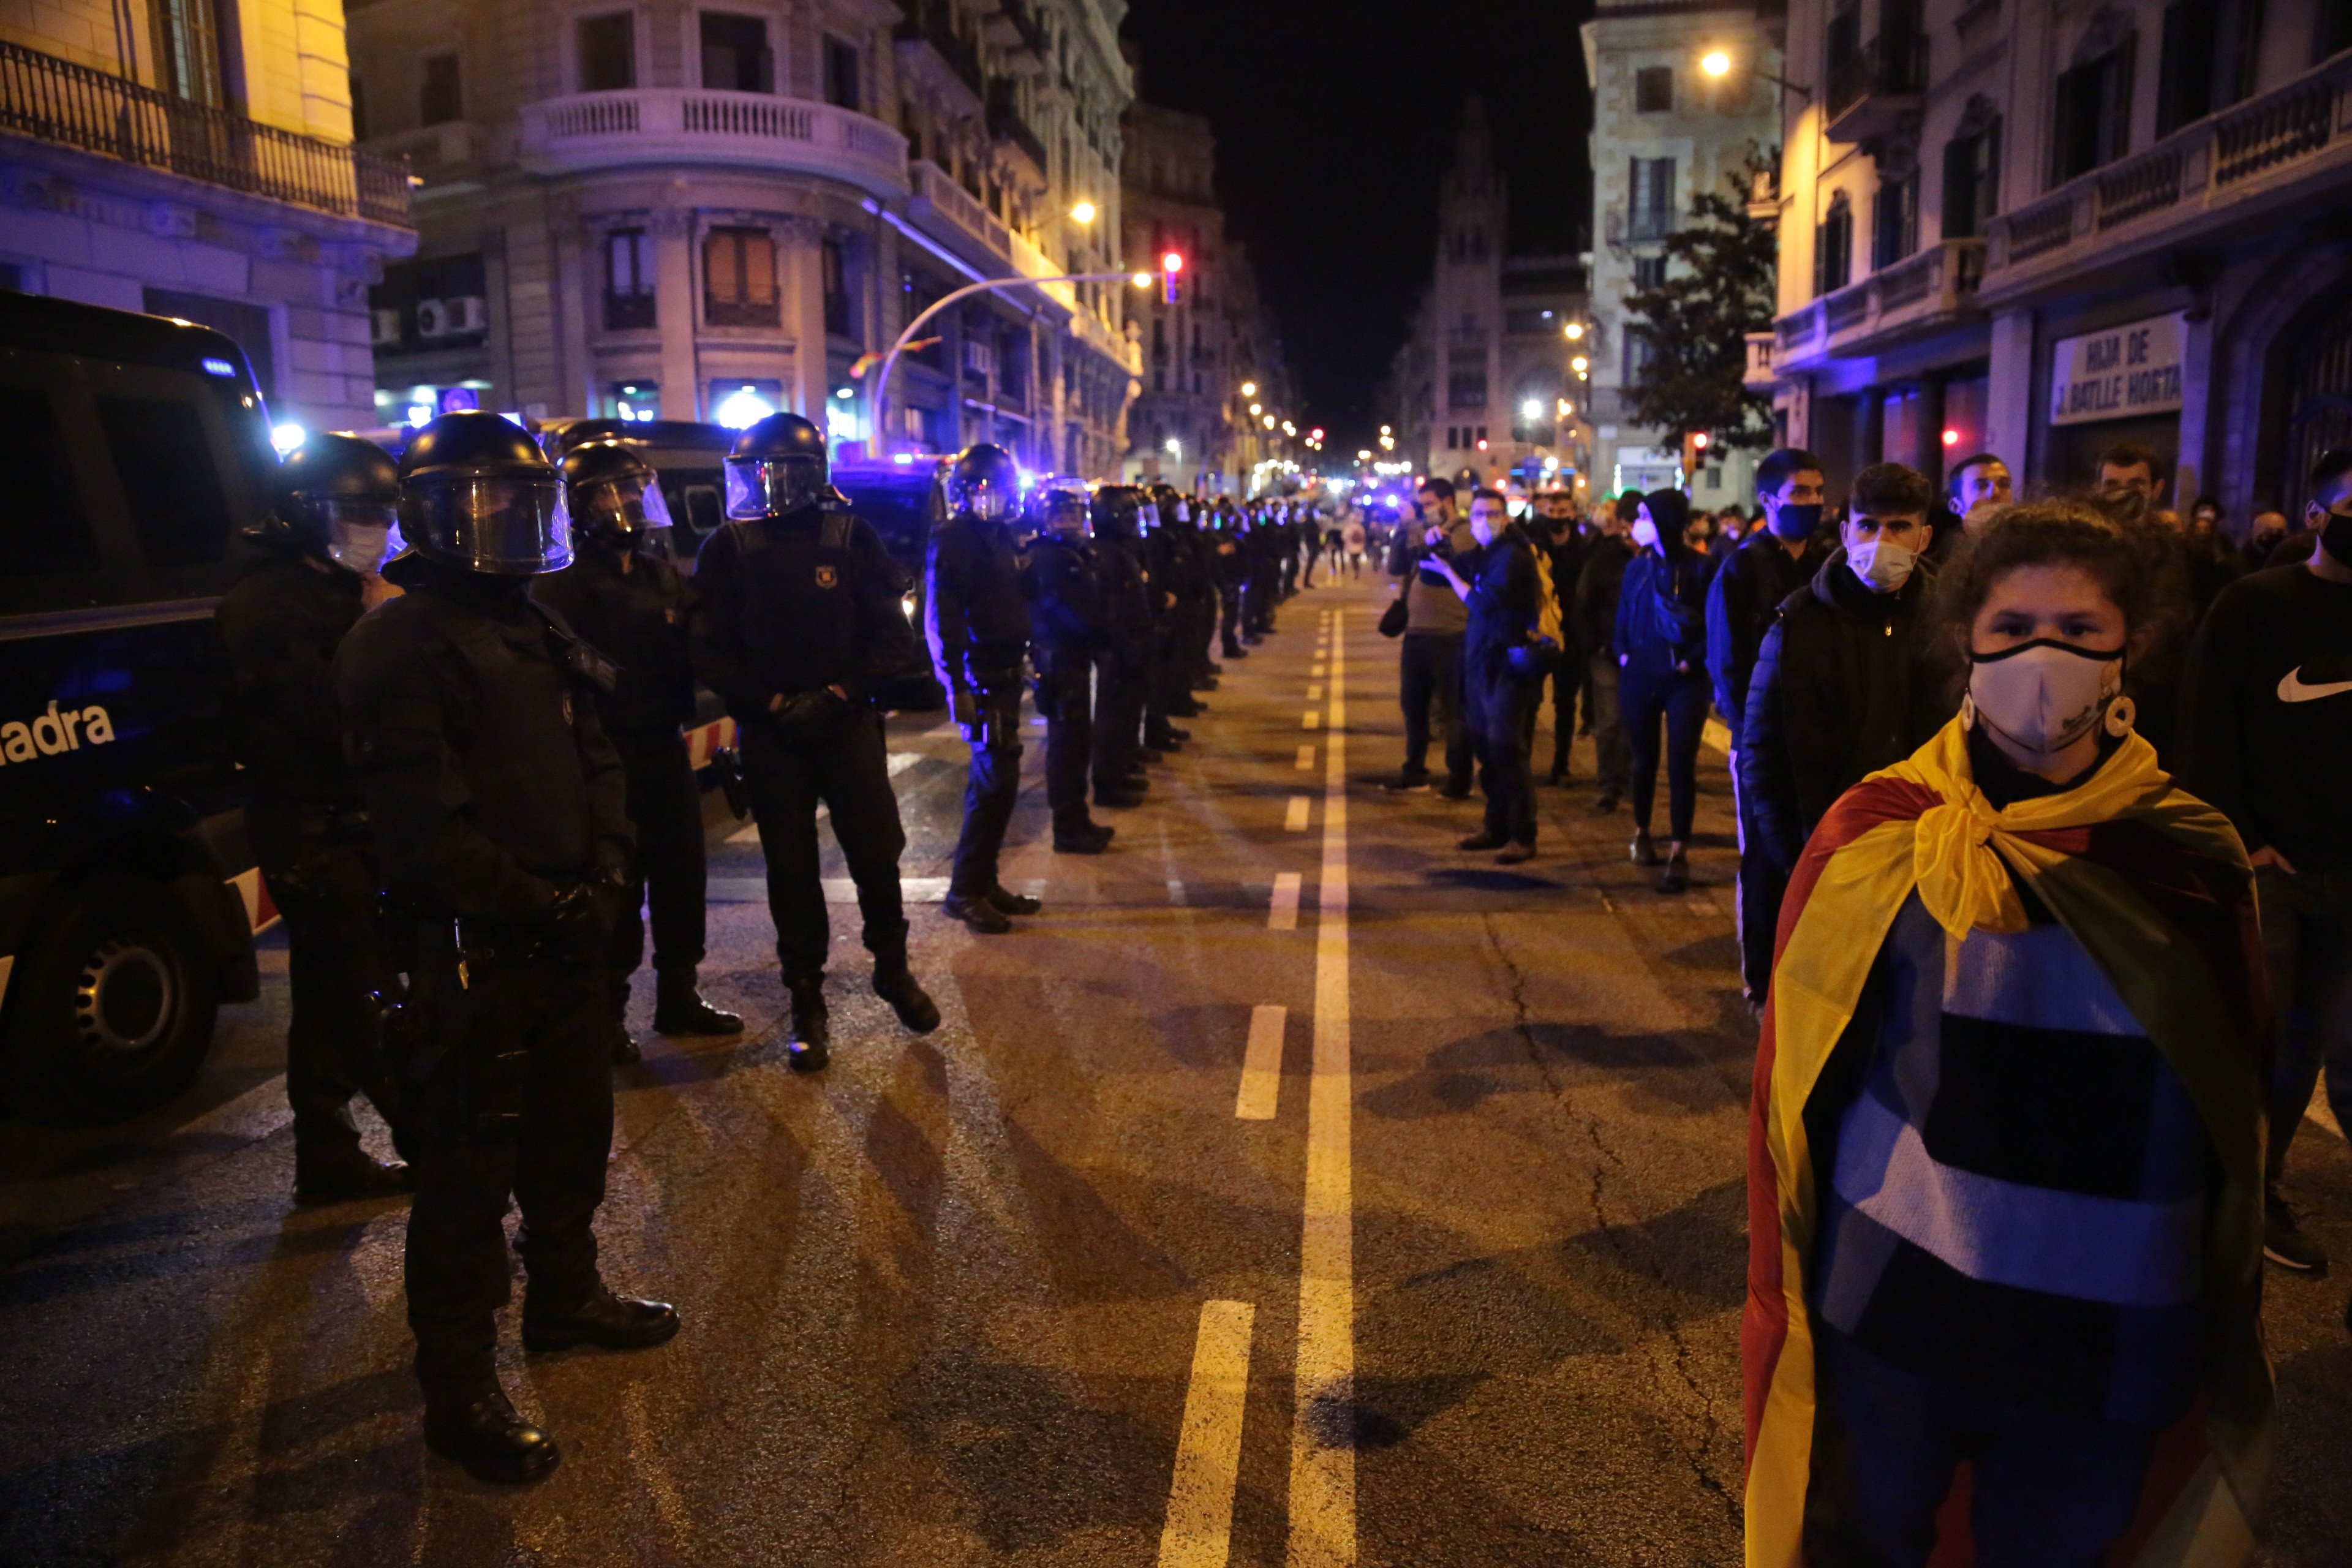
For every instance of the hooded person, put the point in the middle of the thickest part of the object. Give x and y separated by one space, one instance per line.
2005 1153
1662 647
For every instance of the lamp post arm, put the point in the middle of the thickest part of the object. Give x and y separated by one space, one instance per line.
877 443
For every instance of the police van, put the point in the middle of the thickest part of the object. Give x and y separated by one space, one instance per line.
128 900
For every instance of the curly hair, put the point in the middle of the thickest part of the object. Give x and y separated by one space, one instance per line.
2137 565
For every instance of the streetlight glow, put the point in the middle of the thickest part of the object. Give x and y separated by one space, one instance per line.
1084 212
1714 62
1249 389
1257 409
1141 279
1580 364
1531 410
1575 330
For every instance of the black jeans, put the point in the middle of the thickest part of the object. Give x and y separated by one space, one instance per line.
668 873
849 771
337 951
1567 681
988 796
1430 675
2307 947
521 1106
1065 696
1610 757
1499 709
1229 621
1645 696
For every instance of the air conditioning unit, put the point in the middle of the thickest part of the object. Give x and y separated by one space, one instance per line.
433 319
383 327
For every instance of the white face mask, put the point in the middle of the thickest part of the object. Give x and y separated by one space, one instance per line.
2044 695
1882 564
1645 532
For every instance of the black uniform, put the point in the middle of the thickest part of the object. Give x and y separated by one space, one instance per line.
1123 664
1065 613
1230 570
636 619
494 792
280 626
978 624
1169 569
789 607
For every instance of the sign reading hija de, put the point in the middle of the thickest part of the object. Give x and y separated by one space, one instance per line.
2114 375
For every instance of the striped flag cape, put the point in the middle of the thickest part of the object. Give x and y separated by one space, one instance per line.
2155 885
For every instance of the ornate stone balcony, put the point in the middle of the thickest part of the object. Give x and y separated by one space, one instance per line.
691 125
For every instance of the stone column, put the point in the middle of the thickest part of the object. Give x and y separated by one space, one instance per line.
2008 396
675 285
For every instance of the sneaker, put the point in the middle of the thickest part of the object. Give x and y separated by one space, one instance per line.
1482 839
1407 783
1516 854
1643 852
2283 1242
1675 877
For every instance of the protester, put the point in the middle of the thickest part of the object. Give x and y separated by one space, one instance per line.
2264 536
1351 539
2266 735
1566 545
1660 645
1431 659
1748 591
1592 631
1501 674
2005 1165
2132 481
1840 690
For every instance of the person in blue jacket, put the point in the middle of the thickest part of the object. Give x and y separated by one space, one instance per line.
1661 647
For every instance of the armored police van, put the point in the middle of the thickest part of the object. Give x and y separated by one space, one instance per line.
128 901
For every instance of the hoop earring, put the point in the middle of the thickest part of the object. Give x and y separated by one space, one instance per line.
1968 711
2120 714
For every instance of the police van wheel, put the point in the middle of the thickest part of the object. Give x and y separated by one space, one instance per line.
114 1007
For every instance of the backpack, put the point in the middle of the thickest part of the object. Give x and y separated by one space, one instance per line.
1548 622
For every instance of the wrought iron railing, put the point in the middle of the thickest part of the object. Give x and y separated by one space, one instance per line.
932 22
55 100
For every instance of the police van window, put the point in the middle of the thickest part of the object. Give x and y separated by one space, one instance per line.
169 479
43 529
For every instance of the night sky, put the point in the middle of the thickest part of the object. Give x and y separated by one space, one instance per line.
1335 120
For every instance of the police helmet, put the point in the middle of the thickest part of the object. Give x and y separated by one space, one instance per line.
616 497
338 497
1114 510
477 493
1062 508
984 483
778 465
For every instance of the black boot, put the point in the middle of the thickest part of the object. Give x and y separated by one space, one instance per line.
348 1177
811 1043
605 1321
480 1430
679 1009
896 983
1082 837
1013 903
975 911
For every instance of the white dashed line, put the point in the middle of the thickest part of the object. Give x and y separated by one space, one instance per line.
1262 1065
1306 759
1199 1528
1295 822
1284 914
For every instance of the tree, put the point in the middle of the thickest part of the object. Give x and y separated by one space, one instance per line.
1721 281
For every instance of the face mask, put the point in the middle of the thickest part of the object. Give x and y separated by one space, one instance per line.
1796 520
1645 532
2044 695
1882 564
2336 538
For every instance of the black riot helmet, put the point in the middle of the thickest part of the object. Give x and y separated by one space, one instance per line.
778 465
616 497
1168 508
337 497
1061 510
477 493
1115 513
984 484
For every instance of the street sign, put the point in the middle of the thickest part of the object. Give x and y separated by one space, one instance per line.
2119 373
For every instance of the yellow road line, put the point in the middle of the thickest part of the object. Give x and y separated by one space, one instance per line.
1200 1529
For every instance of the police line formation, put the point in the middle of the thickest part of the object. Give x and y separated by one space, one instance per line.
2008 778
460 687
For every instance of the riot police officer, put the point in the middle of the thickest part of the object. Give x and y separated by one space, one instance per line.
977 623
498 806
1123 662
1232 571
623 596
1172 555
796 622
1066 615
329 529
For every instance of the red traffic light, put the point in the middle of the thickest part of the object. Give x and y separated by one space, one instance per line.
1173 262
1699 440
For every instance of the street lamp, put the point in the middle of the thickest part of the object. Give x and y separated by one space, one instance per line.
1580 364
1084 212
1716 63
1249 389
1575 330
1531 410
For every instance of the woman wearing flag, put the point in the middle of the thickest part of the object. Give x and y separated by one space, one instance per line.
2005 1153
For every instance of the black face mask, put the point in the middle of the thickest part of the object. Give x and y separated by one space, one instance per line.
2336 538
1796 520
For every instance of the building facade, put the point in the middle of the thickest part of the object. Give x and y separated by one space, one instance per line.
2039 230
1481 390
661 211
193 158
1214 395
1664 129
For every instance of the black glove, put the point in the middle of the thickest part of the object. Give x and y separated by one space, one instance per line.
580 922
811 713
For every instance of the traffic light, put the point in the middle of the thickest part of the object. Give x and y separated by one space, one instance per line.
1694 450
1172 277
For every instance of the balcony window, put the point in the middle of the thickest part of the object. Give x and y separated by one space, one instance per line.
1843 56
608 52
835 271
1652 203
2094 120
2209 60
628 280
1834 247
735 54
739 272
440 97
1466 389
842 74
1654 89
1895 220
1649 272
1638 357
1971 183
188 52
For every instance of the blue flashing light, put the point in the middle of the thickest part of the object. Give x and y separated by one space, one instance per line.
220 367
287 438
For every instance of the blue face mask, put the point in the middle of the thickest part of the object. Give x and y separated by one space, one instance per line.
1793 520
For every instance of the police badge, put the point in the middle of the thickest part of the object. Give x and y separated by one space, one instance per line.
828 577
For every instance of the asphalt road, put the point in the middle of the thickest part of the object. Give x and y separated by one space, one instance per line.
1463 1288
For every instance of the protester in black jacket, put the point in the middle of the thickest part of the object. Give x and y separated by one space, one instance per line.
1498 583
1567 544
1842 687
1772 562
1660 645
1591 613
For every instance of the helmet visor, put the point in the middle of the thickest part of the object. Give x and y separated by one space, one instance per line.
1147 517
358 536
508 528
986 500
769 487
631 509
1066 515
